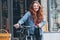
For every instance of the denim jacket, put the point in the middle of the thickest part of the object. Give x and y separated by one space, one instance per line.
27 18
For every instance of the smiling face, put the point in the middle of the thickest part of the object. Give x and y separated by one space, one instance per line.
35 6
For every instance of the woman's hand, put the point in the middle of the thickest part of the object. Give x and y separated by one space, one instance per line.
16 26
38 25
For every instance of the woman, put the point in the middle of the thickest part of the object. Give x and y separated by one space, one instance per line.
34 18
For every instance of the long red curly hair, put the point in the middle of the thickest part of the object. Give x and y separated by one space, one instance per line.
37 16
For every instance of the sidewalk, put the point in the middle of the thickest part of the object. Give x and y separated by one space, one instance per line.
51 36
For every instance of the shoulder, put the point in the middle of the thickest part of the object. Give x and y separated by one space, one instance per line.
28 13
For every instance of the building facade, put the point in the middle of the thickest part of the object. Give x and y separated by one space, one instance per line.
12 10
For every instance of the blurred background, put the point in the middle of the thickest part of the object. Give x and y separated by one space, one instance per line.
12 10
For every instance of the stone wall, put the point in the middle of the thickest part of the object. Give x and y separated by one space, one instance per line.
44 6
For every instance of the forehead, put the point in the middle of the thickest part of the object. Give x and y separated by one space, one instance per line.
35 4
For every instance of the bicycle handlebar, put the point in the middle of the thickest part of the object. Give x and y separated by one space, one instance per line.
22 26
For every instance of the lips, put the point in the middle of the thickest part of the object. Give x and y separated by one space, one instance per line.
36 9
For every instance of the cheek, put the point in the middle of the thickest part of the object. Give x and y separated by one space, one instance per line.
36 8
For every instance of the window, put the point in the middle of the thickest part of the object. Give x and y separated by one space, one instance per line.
54 15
